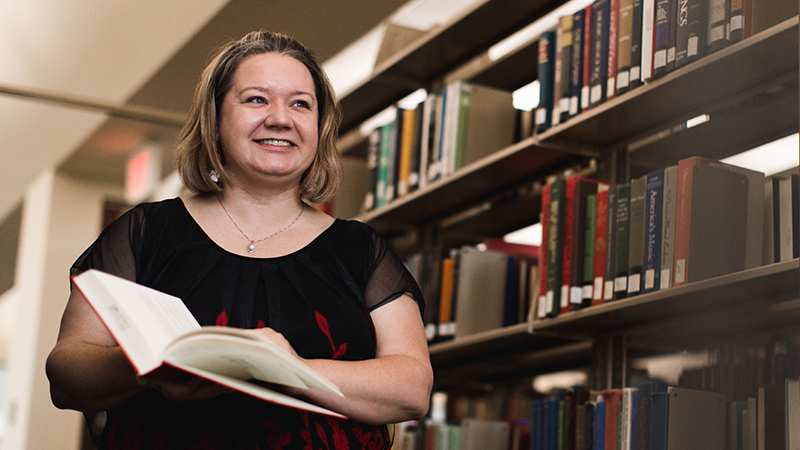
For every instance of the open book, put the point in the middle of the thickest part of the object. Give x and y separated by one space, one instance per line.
154 328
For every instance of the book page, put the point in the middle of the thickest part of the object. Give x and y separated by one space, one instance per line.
239 354
257 391
142 320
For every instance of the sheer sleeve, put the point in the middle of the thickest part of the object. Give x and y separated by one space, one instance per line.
115 249
389 278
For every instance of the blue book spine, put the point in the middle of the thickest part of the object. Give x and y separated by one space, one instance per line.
600 426
654 202
659 421
634 420
663 23
599 73
546 74
553 424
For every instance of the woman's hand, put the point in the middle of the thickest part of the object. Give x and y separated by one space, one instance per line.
275 338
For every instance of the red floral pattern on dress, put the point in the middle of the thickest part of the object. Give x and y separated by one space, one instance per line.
322 322
222 319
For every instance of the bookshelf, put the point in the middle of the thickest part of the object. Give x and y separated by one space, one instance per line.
748 89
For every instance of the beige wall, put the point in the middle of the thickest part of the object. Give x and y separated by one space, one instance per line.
61 217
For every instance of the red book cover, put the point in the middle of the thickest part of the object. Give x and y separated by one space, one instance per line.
683 210
511 248
613 42
600 236
544 219
569 237
613 400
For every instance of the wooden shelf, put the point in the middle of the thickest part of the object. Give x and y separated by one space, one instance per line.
504 353
766 290
437 53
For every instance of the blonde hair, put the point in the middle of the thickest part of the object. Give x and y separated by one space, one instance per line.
199 151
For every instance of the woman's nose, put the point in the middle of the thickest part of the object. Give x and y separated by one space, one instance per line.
278 116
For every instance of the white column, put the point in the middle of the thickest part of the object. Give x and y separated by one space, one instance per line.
60 218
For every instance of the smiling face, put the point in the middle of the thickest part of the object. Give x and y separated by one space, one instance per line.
268 120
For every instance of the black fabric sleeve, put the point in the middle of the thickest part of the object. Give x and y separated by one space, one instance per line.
389 278
115 249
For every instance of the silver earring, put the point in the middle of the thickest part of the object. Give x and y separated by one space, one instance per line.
214 176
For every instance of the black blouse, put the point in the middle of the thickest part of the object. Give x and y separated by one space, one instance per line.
318 297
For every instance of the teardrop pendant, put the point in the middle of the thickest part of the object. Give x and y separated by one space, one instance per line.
251 248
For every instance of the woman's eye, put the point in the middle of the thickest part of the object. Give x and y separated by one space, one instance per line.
256 100
302 104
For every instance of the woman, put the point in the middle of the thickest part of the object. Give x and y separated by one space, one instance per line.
246 251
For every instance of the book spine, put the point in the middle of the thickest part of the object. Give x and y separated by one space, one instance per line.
622 248
613 47
663 26
583 188
416 148
373 146
541 306
383 165
568 243
556 112
587 57
611 244
624 45
648 39
546 71
406 147
555 247
668 225
718 22
588 251
683 208
636 44
600 40
600 246
393 169
576 70
565 79
636 234
654 213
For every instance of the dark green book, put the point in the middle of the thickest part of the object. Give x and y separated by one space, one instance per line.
555 247
588 250
611 243
622 240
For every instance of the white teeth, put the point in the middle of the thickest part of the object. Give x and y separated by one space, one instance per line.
275 142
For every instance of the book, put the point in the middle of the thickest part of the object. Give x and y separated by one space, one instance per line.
373 148
696 419
647 39
622 241
718 22
600 40
565 75
477 434
574 241
447 300
772 416
654 221
546 74
664 21
729 208
659 420
637 28
555 249
577 57
487 124
691 33
156 330
544 253
613 407
644 408
586 54
611 244
624 43
741 20
780 219
636 233
613 44
406 147
480 291
600 425
588 251
668 225
600 244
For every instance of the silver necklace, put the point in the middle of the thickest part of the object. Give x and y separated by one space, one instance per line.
252 247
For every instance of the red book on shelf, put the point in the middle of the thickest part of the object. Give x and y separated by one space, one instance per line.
600 245
613 400
567 243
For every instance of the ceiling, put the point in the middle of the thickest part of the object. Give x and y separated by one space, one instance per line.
147 53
